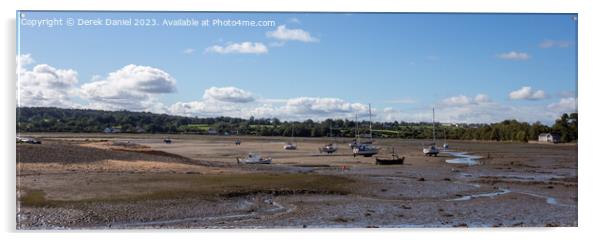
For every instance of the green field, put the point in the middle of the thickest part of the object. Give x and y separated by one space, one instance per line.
199 127
259 126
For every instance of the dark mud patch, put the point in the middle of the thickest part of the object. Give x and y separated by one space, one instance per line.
168 186
152 152
70 153
60 152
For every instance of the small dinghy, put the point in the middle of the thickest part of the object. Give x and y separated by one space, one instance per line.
253 158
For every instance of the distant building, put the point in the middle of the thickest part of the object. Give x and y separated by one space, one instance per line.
549 137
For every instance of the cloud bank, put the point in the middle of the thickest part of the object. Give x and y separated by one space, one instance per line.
139 88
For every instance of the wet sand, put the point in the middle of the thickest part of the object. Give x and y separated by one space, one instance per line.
99 181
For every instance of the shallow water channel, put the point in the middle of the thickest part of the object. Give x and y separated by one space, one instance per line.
463 158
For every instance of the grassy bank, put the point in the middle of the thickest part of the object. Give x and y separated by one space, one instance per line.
135 187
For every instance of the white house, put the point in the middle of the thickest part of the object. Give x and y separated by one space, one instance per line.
549 137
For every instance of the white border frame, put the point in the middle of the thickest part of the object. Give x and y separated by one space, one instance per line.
588 88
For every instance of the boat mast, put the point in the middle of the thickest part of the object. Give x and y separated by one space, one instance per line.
356 128
370 114
292 132
433 125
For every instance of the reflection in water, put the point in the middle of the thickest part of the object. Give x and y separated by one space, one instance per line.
549 200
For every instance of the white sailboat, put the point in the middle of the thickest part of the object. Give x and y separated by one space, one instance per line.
330 147
431 149
366 149
290 145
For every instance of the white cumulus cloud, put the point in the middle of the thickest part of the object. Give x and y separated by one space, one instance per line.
131 87
527 93
285 34
514 55
239 48
44 85
217 101
321 106
228 94
462 100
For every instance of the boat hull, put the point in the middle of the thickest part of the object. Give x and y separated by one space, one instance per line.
392 161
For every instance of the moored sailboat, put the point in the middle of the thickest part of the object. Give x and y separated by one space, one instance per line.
366 149
431 149
290 145
330 147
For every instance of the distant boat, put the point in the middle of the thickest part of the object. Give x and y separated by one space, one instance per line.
330 147
366 149
167 140
394 160
28 140
290 145
253 158
431 149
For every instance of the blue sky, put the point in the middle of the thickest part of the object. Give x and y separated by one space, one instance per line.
470 67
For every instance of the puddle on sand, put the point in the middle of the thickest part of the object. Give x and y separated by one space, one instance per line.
490 195
549 200
463 158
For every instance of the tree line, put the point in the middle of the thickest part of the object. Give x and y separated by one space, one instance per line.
50 119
